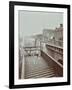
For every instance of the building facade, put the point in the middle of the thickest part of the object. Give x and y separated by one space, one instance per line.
54 36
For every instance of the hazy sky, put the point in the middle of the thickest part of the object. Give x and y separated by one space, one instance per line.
31 22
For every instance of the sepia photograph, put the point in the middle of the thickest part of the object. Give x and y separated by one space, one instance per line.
40 44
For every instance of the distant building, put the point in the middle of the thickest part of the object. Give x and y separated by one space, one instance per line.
54 36
59 33
48 34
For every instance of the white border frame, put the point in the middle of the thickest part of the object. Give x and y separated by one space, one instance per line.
42 80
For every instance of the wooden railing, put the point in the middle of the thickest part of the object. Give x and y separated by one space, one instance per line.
56 42
57 67
57 52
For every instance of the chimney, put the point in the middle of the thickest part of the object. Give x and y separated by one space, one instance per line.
61 25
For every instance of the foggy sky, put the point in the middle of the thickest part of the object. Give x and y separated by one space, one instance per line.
31 22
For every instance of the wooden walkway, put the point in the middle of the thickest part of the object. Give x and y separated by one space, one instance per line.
36 67
38 63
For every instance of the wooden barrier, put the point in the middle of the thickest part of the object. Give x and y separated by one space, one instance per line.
57 67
